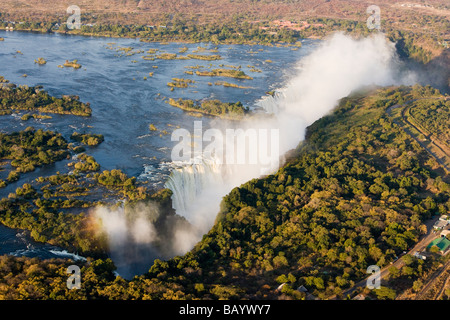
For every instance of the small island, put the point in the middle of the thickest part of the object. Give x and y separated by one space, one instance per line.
180 83
230 85
230 111
87 138
29 149
204 57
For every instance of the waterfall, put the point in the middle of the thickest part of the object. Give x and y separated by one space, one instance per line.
270 103
189 181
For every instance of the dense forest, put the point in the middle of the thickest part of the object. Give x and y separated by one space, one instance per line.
356 192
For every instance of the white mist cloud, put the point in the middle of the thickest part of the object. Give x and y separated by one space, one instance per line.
184 239
140 233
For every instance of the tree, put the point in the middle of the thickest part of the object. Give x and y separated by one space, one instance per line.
393 271
280 261
408 259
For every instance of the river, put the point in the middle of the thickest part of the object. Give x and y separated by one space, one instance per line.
124 103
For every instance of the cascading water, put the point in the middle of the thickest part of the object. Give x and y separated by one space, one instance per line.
270 103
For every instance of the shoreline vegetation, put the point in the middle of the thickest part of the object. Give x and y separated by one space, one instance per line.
23 97
194 34
224 110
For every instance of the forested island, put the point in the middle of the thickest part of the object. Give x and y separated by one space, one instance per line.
13 98
360 190
230 111
30 148
230 73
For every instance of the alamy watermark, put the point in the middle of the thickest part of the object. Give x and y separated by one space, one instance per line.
237 146
374 281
